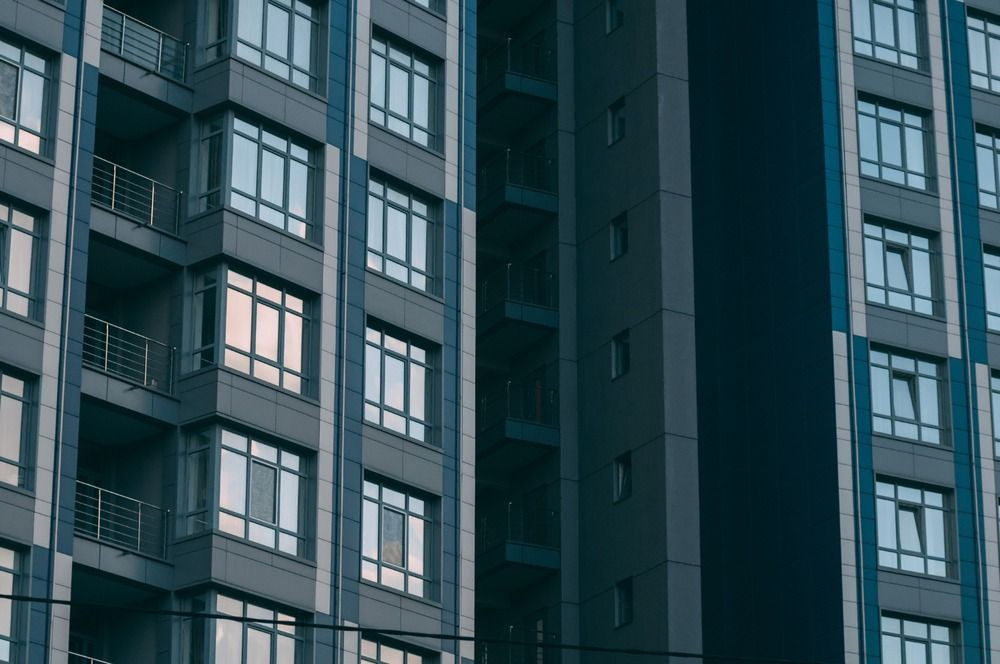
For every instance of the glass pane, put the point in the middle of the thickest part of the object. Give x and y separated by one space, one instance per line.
417 392
292 358
902 397
396 233
228 642
909 531
32 89
378 80
369 530
258 647
399 91
251 15
277 31
244 164
19 270
873 262
880 391
892 149
896 269
907 32
272 178
985 169
891 650
418 243
867 138
303 41
940 653
394 383
392 537
232 482
286 650
921 265
421 102
886 524
8 89
262 492
266 332
934 520
415 545
373 374
288 515
914 150
862 20
928 401
298 188
375 223
916 652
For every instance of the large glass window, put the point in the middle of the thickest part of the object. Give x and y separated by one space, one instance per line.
397 383
887 30
243 640
991 268
984 52
261 494
898 268
911 641
23 97
403 91
396 539
906 396
15 411
911 529
400 233
20 250
267 175
8 586
264 328
891 141
987 171
373 652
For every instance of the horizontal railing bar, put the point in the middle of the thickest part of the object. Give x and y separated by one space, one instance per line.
101 490
145 25
131 172
118 327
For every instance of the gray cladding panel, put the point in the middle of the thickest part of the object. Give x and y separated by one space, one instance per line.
38 21
406 161
407 309
26 176
403 460
418 26
900 204
18 509
904 86
21 343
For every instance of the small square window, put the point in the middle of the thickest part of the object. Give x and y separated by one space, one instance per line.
619 235
622 468
623 602
615 15
620 354
616 121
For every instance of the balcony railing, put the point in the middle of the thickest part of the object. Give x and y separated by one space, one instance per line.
121 521
520 169
143 44
517 283
127 354
518 57
528 402
519 653
75 658
135 196
522 522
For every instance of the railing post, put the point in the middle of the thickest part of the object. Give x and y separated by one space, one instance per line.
159 52
508 294
145 362
99 501
107 344
121 43
508 55
114 184
177 214
163 542
138 529
506 179
152 202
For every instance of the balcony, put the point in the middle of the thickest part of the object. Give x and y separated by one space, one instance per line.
517 306
135 196
516 193
517 82
518 424
121 521
517 545
128 355
144 45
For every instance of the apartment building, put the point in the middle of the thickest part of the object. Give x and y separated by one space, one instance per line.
236 330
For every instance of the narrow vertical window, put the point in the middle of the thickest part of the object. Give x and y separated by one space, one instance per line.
614 15
995 412
619 235
621 356
616 121
623 602
622 478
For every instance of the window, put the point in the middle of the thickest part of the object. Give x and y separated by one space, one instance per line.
264 330
909 641
403 91
891 143
397 383
984 52
400 232
623 602
622 479
20 250
911 530
15 412
270 175
8 610
887 30
616 121
396 546
995 411
261 489
987 158
991 267
619 235
620 354
373 652
23 97
906 396
898 269
242 640
615 15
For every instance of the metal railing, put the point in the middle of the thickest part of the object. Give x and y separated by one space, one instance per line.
529 402
517 521
75 658
517 283
517 653
121 521
143 44
521 169
135 196
127 354
518 57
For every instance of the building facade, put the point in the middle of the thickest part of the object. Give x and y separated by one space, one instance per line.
236 330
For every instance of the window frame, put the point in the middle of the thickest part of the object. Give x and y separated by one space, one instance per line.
988 166
411 352
201 489
891 238
15 219
892 362
884 114
374 567
217 145
991 274
370 652
203 634
931 637
621 477
428 70
621 354
995 412
920 502
617 121
22 465
618 236
32 138
12 560
893 54
624 602
211 301
989 79
389 195
614 16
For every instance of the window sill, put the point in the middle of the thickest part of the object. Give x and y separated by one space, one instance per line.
24 319
412 441
940 318
399 593
402 284
951 580
48 161
24 491
284 81
439 154
233 538
905 187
